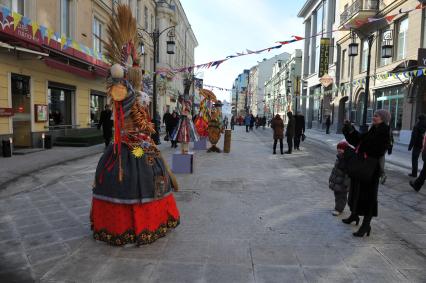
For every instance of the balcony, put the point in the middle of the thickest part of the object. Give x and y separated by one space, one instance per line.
359 10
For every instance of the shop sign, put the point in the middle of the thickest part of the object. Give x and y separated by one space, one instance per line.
6 112
324 56
421 58
326 80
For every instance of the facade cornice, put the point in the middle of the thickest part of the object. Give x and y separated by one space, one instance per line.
306 8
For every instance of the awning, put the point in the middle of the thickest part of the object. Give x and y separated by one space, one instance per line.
406 66
22 49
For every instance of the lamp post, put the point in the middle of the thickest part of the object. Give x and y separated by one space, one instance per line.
155 37
353 51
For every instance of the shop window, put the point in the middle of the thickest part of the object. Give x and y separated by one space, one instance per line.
97 104
392 99
97 34
402 30
60 98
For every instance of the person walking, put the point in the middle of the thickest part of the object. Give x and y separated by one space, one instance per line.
362 198
299 129
327 125
382 159
339 180
174 120
416 143
166 121
106 123
225 123
252 120
291 126
263 122
247 121
419 182
277 125
233 121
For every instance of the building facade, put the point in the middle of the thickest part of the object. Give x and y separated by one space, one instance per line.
239 94
52 70
402 95
319 19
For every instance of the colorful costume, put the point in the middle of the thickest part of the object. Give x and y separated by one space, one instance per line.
133 198
185 130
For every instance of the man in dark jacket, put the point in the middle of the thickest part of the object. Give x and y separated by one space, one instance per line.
277 125
416 143
291 126
167 117
106 123
327 125
299 129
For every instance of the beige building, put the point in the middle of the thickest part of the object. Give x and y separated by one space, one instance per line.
52 70
402 95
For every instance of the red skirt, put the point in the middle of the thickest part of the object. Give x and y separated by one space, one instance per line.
120 224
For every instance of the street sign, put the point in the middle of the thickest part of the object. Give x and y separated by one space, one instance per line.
324 56
326 80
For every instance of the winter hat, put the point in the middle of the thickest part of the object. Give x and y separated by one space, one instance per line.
343 145
384 114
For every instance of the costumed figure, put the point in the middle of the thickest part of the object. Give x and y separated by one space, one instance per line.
215 127
133 200
185 130
202 121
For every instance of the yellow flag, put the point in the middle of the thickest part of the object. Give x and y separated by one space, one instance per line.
35 28
49 35
16 19
63 40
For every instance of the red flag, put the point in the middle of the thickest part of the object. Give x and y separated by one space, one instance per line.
390 18
298 37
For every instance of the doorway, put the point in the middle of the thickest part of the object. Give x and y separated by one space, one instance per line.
21 104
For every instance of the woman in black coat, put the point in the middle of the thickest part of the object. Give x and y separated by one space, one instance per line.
363 196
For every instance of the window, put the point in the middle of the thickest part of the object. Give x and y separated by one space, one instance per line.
17 6
392 99
138 11
66 17
364 55
97 104
402 39
383 61
344 57
97 35
145 15
60 98
152 23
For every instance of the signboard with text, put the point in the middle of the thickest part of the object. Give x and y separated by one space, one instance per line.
324 56
6 112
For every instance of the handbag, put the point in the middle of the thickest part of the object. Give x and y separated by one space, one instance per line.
360 167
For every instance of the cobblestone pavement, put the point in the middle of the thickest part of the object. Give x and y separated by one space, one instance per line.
247 216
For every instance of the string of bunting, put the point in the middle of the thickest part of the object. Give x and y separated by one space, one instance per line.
64 41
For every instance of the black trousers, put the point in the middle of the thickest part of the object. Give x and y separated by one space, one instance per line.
107 141
415 154
327 129
419 182
297 139
247 128
232 126
281 145
290 143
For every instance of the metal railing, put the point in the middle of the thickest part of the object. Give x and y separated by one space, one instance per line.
358 6
63 127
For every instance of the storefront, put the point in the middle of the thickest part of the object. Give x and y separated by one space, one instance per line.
392 99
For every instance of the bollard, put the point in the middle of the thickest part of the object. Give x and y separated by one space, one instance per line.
7 148
47 141
227 141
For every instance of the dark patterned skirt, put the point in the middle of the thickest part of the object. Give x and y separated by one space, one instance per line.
138 209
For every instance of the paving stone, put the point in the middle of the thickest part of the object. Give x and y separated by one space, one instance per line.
10 262
327 274
378 275
126 270
17 276
186 251
278 274
362 257
41 254
228 273
415 275
274 255
229 252
73 232
403 257
44 239
11 246
178 272
32 229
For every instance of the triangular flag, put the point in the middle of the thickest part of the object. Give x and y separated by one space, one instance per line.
298 37
50 34
63 41
390 18
43 31
26 21
35 27
6 12
16 19
371 20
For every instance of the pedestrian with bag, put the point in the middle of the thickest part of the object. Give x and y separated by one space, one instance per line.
166 121
299 129
382 160
339 180
277 124
173 122
291 127
247 121
419 182
364 169
106 123
416 143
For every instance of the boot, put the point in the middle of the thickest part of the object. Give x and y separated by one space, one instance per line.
351 218
365 228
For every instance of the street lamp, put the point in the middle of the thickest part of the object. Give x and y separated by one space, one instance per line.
354 52
155 37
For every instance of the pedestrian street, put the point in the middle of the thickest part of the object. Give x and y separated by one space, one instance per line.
246 216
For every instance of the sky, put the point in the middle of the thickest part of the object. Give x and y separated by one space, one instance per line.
224 27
